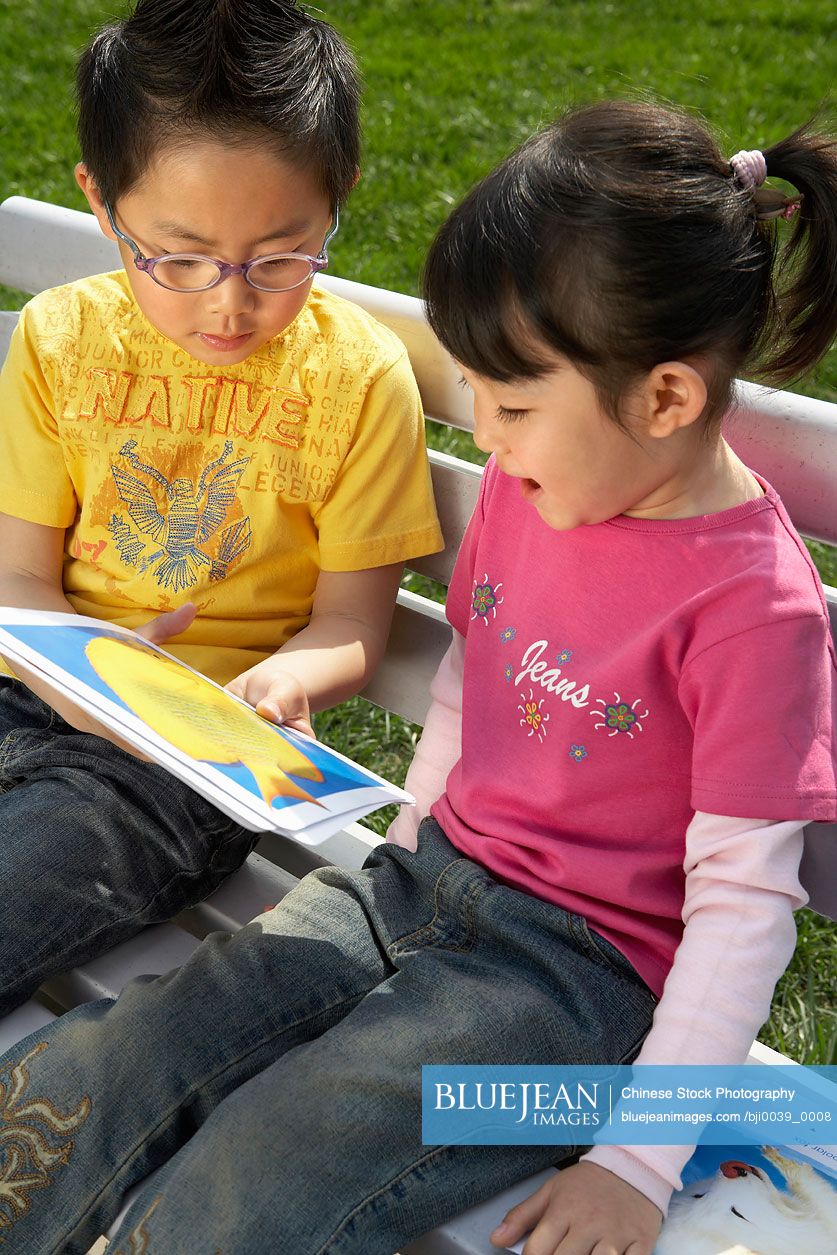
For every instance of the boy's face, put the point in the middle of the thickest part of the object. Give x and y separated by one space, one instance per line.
231 203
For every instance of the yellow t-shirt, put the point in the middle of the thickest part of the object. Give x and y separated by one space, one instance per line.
228 486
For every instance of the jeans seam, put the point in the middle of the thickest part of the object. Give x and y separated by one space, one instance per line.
630 1054
585 938
370 1198
419 934
400 1176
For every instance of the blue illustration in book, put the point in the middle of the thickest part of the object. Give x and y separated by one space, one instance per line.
277 766
742 1199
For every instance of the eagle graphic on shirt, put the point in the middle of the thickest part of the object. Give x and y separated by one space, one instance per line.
181 525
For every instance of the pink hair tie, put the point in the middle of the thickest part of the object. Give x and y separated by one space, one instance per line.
750 168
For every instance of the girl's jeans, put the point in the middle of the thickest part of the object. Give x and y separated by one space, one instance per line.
277 1075
94 845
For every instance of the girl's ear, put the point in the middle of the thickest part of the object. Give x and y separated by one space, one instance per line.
87 184
675 396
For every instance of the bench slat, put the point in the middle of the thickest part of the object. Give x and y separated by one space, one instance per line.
156 950
456 485
21 1022
43 245
419 636
254 888
792 441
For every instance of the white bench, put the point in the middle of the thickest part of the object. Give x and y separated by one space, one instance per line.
791 439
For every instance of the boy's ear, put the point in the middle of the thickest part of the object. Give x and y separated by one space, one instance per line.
674 395
88 185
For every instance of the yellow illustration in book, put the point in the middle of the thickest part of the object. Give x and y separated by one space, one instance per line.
198 719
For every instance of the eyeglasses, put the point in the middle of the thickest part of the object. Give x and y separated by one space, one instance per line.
192 272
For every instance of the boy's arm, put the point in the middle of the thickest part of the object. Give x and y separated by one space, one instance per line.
31 568
334 656
31 565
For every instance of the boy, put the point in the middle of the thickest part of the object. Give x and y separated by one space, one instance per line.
206 444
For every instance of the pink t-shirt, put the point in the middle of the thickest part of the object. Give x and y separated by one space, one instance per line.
620 677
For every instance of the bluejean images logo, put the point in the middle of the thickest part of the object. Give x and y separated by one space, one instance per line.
535 1101
628 1105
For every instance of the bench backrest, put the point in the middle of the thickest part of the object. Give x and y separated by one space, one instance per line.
791 439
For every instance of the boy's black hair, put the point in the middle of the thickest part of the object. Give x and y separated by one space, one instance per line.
621 238
260 71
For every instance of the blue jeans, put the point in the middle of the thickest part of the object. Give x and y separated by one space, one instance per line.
94 845
277 1074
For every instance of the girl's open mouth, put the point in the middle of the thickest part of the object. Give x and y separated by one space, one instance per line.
530 489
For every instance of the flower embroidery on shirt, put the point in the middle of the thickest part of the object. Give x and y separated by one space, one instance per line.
508 634
563 655
508 672
533 717
485 600
578 753
619 716
35 1140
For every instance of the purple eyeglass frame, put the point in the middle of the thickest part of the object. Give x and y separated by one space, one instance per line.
225 268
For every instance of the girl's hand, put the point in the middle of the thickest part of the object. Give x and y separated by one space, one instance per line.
583 1210
276 694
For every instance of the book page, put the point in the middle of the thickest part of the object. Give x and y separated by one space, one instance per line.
266 777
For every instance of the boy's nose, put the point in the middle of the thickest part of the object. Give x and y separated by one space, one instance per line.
233 296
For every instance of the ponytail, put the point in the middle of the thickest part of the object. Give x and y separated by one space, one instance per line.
803 321
621 237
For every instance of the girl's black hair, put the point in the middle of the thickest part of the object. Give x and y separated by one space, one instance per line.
620 238
261 71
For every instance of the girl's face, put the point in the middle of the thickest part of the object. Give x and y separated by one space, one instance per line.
574 464
226 202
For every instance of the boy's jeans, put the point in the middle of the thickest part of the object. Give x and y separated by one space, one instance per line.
277 1075
94 845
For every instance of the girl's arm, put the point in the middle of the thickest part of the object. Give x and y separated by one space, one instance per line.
742 885
439 748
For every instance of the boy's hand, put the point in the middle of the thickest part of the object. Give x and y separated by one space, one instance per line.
276 694
157 631
583 1210
172 623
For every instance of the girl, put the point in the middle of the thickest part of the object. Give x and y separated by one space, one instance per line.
611 706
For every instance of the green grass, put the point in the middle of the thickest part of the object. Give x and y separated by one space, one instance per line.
451 85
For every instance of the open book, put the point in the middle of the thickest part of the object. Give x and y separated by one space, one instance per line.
765 1199
268 778
750 1200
